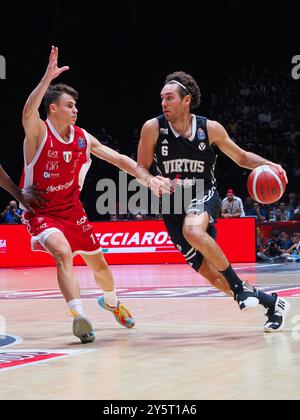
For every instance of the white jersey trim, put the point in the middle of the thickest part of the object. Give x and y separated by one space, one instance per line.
57 136
38 243
39 151
28 168
194 126
86 166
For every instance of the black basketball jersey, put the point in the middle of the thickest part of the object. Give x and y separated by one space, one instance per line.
186 159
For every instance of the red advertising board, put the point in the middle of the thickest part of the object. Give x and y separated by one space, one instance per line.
141 242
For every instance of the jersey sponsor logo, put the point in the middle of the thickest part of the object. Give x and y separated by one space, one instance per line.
202 146
60 187
52 154
81 142
46 175
164 131
183 165
52 165
201 134
67 156
81 221
186 182
165 141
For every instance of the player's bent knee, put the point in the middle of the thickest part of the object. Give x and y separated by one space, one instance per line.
62 254
194 236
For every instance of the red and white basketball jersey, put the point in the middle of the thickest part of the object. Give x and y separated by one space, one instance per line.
60 169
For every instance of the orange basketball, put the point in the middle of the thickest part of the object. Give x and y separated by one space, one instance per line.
265 184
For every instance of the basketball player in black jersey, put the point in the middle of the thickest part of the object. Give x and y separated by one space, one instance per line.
183 148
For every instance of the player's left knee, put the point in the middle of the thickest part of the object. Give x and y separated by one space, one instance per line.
195 236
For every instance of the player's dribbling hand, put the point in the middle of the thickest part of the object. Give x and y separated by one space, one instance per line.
53 70
32 196
281 170
160 185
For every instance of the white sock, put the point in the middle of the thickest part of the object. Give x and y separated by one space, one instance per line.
110 298
76 305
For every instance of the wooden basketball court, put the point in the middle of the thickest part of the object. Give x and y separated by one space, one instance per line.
190 342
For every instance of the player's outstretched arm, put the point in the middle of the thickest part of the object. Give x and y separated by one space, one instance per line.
112 156
219 136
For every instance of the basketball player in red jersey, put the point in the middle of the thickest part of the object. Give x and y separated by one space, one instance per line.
57 158
184 148
26 198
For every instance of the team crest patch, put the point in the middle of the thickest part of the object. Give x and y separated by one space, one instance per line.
201 134
81 142
67 156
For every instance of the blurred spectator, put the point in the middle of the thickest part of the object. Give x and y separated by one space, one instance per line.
258 211
12 214
274 246
296 214
231 206
259 240
296 168
292 205
286 241
294 249
248 206
282 214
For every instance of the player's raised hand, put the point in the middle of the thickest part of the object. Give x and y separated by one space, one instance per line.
53 70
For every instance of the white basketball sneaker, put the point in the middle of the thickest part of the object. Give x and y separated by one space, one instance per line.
276 316
247 297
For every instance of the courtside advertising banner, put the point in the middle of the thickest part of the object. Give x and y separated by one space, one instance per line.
125 242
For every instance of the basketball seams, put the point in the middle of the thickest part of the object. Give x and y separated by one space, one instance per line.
263 181
257 172
271 171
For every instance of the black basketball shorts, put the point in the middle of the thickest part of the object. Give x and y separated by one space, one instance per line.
174 225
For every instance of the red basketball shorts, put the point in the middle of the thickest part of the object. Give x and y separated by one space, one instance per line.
75 227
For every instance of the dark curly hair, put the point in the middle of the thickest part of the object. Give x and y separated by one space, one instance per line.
190 86
54 92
